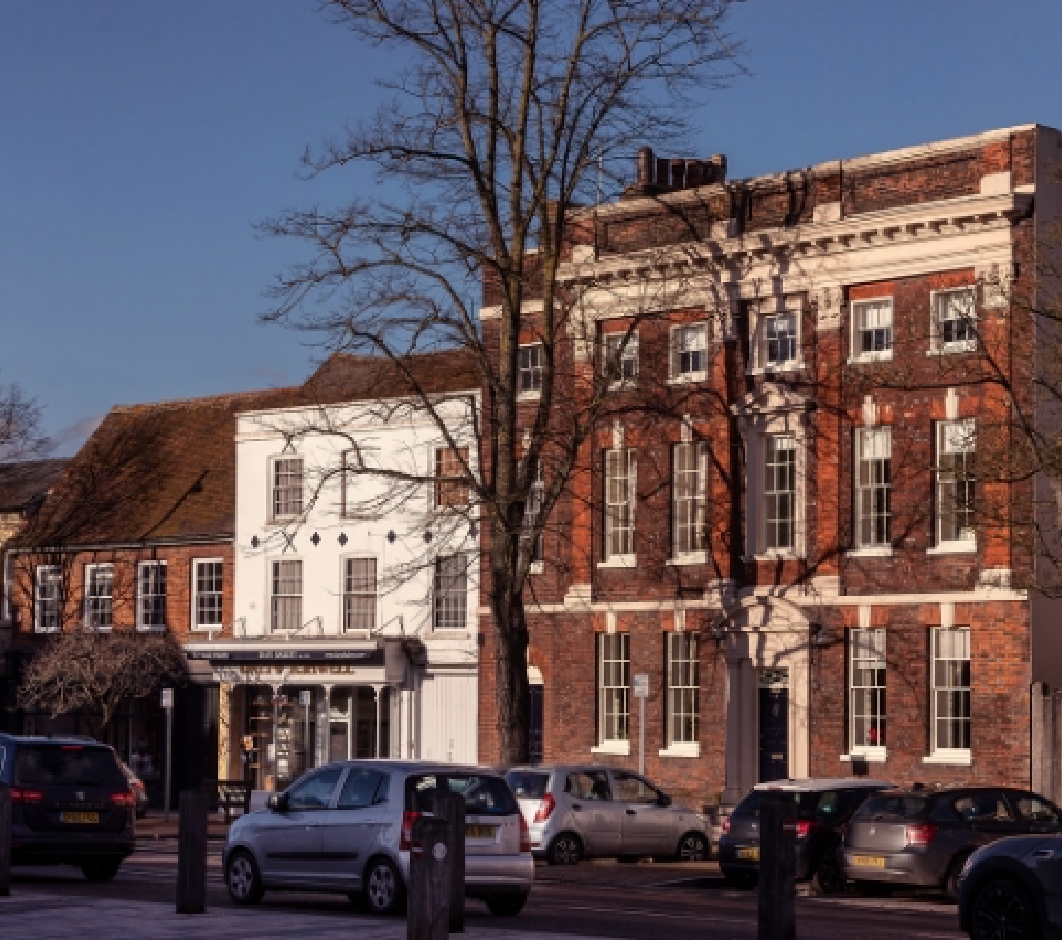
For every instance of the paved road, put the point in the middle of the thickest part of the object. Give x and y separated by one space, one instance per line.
592 900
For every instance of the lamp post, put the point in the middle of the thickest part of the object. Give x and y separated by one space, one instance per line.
167 704
305 697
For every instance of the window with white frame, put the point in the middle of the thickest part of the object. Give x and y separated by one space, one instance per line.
151 595
954 320
955 483
99 597
873 496
688 345
683 688
620 485
359 594
287 487
530 369
866 690
687 498
286 595
779 339
48 600
613 686
951 689
206 592
451 483
535 500
872 329
621 359
779 492
451 592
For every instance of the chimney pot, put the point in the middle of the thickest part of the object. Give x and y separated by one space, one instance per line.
678 174
645 166
718 162
694 173
663 173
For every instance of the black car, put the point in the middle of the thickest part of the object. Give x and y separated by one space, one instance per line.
821 807
924 837
1012 888
70 804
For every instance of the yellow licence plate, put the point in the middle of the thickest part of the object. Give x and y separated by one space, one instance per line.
480 832
80 817
868 861
752 853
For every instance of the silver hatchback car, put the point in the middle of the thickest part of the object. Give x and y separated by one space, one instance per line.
348 827
575 812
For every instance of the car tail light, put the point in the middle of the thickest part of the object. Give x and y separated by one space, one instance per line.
804 828
408 818
525 832
724 825
123 798
921 834
22 795
545 808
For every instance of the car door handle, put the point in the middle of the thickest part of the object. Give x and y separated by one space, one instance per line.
631 812
577 806
1044 853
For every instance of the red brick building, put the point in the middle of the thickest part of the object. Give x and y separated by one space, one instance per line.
796 517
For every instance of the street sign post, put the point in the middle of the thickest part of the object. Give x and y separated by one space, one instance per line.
641 692
167 704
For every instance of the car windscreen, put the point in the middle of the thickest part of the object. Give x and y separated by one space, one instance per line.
894 807
528 785
484 795
67 765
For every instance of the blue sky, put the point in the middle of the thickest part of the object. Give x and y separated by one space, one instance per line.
140 142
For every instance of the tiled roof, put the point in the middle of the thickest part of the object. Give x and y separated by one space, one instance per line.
347 377
24 482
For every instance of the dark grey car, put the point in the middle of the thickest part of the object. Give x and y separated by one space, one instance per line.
923 838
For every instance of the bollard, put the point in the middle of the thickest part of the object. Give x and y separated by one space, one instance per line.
192 852
5 840
776 904
428 912
451 808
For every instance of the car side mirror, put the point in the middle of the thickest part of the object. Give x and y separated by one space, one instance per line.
664 800
278 802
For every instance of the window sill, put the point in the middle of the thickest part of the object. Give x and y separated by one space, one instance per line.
620 748
956 758
619 561
797 366
865 358
682 749
152 628
688 379
623 386
875 755
870 551
528 396
791 555
207 627
964 347
536 567
689 558
953 548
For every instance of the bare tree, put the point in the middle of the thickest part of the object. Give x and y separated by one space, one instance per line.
93 673
20 425
505 118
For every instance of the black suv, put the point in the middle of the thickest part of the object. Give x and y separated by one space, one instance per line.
70 804
820 808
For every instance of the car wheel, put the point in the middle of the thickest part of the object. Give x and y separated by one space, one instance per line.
950 887
1003 908
873 889
101 870
742 880
506 905
693 847
828 877
566 849
242 878
383 887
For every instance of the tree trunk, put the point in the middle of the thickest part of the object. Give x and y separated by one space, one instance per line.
512 692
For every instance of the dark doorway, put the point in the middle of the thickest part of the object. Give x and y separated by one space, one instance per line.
535 722
774 730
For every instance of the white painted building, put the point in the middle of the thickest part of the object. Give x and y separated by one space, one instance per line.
356 586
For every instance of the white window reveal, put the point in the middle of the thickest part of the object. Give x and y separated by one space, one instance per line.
530 369
955 483
779 492
621 359
954 320
866 691
206 593
621 474
151 595
287 487
951 692
683 689
872 329
286 607
873 522
779 340
99 597
451 592
613 686
688 499
48 606
688 345
359 594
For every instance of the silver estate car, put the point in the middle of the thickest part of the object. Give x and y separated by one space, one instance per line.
575 812
348 827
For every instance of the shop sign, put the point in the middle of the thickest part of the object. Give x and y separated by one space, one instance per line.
372 657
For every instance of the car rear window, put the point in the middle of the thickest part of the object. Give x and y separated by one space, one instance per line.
527 785
894 807
484 795
809 804
67 765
